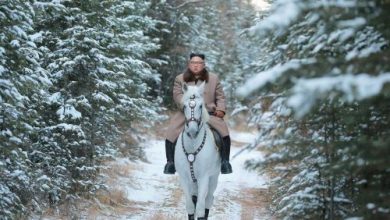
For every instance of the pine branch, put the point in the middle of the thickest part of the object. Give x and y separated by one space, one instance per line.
188 2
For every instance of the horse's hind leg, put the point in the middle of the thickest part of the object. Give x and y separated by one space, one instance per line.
194 200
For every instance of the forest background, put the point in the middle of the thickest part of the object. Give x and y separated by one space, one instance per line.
312 77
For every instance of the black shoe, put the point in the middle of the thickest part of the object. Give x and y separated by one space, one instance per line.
226 168
191 217
169 152
169 168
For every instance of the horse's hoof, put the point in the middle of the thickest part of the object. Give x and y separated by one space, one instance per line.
206 214
169 168
226 168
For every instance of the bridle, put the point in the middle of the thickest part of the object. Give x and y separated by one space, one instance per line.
192 105
192 156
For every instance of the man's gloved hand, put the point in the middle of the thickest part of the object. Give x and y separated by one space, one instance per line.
219 114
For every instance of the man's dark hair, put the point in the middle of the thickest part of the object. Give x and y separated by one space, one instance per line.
201 55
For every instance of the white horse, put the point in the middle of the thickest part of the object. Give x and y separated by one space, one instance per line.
197 159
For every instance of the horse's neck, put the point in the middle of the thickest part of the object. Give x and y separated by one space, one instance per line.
192 145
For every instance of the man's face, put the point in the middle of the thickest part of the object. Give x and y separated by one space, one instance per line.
196 65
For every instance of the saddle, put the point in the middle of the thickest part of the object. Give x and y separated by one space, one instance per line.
217 138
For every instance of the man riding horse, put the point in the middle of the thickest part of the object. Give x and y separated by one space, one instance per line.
214 99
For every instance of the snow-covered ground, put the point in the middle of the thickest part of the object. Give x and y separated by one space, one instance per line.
153 195
139 189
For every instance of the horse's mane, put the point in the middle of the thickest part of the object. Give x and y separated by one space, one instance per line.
194 90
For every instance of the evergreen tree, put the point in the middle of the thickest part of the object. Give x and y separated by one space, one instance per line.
326 73
99 72
75 75
22 82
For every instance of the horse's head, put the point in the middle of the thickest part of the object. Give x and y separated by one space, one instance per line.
194 110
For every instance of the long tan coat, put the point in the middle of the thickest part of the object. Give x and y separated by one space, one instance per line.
214 99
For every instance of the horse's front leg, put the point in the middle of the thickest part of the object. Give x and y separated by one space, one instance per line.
212 187
186 186
203 185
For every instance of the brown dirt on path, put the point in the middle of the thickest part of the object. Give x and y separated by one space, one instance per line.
254 203
115 204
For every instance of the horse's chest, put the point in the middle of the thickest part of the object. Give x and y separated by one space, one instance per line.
192 166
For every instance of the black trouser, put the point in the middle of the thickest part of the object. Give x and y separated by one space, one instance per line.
226 167
170 154
169 150
225 150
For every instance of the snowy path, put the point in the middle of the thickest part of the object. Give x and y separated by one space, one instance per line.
152 195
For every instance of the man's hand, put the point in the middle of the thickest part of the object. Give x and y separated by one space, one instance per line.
219 114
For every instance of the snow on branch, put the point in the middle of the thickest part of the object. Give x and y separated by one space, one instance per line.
271 75
353 87
187 2
68 110
284 12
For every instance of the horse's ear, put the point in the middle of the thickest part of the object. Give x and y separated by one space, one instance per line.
184 87
201 87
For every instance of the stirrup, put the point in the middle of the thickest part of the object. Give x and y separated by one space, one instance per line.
169 168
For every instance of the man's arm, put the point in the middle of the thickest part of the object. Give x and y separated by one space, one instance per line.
178 92
220 100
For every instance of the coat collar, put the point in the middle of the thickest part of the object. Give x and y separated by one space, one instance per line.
189 77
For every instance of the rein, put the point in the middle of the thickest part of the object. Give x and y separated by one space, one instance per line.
192 156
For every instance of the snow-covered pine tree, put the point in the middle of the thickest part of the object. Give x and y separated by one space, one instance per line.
22 82
327 61
96 52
